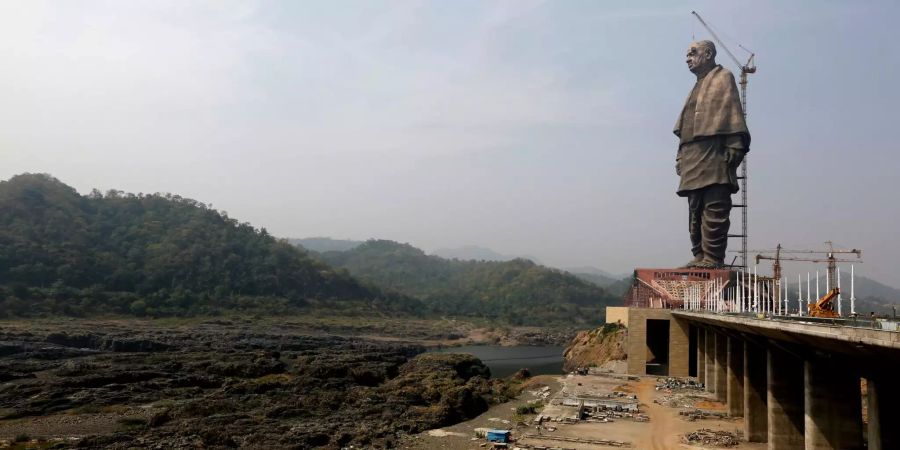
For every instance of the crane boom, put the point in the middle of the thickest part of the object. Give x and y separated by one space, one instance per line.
773 258
718 41
854 251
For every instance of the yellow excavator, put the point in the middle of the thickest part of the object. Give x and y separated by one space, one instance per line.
824 307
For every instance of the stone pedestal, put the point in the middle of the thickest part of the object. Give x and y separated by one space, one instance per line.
735 377
785 400
755 396
833 406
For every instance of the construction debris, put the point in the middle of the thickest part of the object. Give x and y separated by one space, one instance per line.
611 374
618 394
678 400
543 392
607 413
601 404
712 438
606 442
609 416
695 414
678 383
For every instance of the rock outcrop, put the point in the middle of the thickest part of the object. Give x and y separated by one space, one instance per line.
596 347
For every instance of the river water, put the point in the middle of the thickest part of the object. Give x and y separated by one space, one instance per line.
505 361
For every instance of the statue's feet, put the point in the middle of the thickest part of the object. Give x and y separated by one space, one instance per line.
708 264
693 263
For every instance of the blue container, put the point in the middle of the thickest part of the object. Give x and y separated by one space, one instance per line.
498 436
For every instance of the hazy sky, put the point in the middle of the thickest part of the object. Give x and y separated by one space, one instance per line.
529 127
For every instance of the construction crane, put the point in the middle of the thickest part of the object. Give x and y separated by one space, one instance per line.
746 69
824 306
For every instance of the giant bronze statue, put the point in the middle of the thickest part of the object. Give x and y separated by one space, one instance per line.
713 141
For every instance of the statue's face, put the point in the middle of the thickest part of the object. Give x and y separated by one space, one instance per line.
698 57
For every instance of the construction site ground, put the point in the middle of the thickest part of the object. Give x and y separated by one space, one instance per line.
667 410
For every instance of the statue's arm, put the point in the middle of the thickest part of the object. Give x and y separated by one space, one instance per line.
735 149
678 162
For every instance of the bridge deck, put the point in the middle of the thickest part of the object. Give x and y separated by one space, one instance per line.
835 336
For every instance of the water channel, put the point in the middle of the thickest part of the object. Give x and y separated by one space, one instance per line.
505 361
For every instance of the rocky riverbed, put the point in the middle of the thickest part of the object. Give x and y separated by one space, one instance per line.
226 384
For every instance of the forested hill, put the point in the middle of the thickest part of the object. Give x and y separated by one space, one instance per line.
64 253
516 292
324 244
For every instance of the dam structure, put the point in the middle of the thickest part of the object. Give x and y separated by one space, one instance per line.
798 381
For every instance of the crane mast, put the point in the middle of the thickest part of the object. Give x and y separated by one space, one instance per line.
748 68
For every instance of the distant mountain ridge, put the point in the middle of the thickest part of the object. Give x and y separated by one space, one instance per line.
594 275
872 295
518 292
867 287
596 271
476 253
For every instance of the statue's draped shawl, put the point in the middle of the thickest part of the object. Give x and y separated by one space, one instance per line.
718 110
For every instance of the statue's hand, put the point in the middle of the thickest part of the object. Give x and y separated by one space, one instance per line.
733 157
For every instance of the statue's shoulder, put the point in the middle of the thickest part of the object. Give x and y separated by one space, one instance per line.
720 71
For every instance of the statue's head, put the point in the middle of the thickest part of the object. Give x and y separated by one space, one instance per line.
701 56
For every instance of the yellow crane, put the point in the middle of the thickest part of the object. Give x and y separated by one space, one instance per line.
824 306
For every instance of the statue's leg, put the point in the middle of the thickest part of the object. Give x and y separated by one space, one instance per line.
695 224
716 214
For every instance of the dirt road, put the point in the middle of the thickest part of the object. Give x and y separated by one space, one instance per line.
665 426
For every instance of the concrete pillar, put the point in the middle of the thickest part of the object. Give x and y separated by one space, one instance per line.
883 413
721 366
755 393
833 406
785 400
679 347
692 351
710 361
735 377
701 355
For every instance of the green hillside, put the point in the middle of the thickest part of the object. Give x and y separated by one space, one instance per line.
158 255
518 292
324 244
